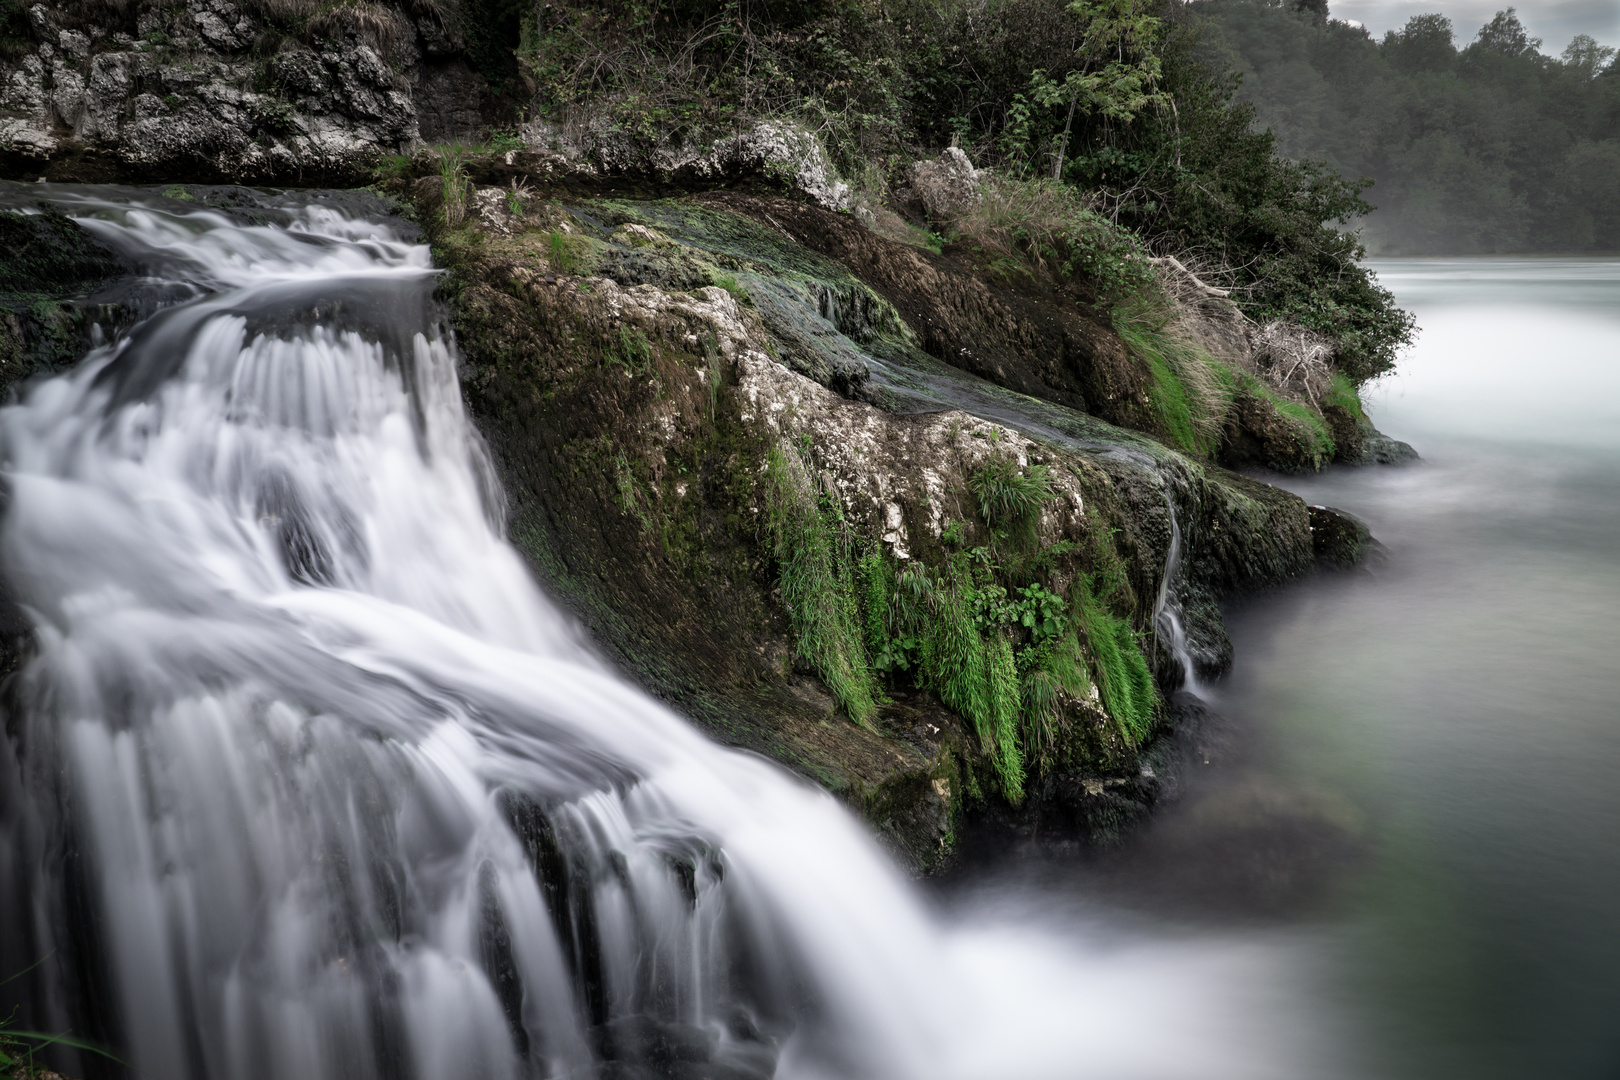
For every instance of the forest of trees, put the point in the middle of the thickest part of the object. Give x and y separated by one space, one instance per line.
1484 146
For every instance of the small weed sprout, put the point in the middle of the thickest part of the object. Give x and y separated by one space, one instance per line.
517 198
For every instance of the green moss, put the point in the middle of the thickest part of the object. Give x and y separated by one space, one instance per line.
816 584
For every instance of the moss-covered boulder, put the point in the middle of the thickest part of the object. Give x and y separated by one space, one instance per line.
920 589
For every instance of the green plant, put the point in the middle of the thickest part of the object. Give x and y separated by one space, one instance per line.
1028 224
1123 679
502 142
729 283
810 544
1190 394
1009 500
455 185
632 351
563 252
18 1048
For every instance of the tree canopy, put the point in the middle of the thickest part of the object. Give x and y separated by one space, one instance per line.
1485 146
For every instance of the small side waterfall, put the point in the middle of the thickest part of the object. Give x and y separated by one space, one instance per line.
308 781
1168 613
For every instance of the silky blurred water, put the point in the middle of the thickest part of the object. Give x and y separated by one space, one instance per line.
1464 694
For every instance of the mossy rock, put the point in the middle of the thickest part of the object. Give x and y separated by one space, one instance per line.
634 407
51 267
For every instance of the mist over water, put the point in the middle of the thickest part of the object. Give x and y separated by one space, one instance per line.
1458 700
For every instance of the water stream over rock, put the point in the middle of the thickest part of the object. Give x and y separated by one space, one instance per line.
308 779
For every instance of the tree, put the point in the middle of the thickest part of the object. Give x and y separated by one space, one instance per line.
1586 56
1423 44
1506 35
1118 71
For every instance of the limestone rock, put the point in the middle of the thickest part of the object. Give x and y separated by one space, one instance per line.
944 187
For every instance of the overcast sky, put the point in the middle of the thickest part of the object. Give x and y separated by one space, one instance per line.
1554 21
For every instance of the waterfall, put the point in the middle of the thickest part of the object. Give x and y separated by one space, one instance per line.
307 779
1168 612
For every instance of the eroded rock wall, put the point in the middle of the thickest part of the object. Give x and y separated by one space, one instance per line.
212 89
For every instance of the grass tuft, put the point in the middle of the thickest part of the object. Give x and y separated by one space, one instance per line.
806 539
1009 500
1191 394
1123 679
456 187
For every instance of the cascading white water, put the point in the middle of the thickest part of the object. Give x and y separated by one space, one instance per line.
308 779
1167 612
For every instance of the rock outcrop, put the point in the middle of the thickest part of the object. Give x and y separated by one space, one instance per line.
636 366
212 89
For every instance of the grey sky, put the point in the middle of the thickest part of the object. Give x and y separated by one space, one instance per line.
1555 21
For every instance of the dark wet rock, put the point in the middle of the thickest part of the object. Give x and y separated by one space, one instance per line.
208 90
48 314
1379 449
1340 539
1359 443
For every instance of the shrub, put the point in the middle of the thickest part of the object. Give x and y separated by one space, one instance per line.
1039 224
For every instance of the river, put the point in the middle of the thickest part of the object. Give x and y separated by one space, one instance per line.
1411 806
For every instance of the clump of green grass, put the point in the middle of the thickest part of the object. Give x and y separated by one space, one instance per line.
811 550
1009 500
562 250
1024 225
1190 394
455 188
1343 394
730 283
632 351
1123 679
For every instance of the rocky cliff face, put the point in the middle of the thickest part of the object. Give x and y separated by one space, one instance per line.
213 89
909 528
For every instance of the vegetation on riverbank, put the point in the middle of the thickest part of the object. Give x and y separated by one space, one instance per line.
1112 99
